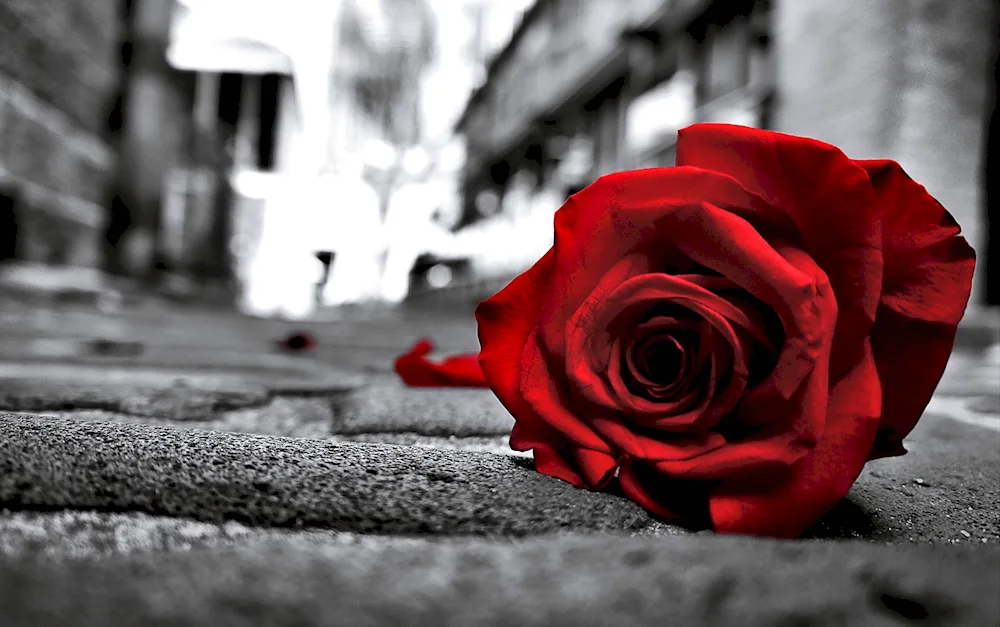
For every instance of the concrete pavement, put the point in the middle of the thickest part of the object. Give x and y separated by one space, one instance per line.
314 489
548 581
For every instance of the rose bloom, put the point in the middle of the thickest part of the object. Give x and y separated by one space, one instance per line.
732 338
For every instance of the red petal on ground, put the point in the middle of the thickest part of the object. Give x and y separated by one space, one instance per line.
416 370
297 342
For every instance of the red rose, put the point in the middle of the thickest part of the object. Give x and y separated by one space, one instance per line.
734 337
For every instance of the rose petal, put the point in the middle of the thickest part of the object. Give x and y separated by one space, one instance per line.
590 340
658 357
927 263
779 429
684 414
548 460
778 274
298 342
685 332
928 280
674 447
679 501
596 468
910 356
617 217
672 406
639 359
505 321
551 402
787 506
826 195
603 310
416 370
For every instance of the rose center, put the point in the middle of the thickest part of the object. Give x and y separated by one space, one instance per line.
661 361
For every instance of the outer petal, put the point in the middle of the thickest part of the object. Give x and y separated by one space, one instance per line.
552 402
787 506
416 370
597 469
505 321
928 279
826 195
678 500
548 459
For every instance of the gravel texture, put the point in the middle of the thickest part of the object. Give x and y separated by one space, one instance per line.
387 406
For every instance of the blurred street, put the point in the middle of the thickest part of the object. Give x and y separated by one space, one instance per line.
187 185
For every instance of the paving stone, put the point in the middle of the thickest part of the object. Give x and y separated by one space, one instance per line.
945 490
282 416
175 394
300 418
551 581
488 444
74 534
215 477
386 405
958 469
971 373
986 404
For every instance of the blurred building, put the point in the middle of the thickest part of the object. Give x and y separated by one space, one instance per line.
59 64
587 87
309 87
470 33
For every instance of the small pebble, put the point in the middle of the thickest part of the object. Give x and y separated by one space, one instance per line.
918 481
965 533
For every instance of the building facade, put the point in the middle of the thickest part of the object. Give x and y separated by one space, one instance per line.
586 87
59 64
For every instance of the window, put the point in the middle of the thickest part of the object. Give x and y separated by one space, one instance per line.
761 58
268 112
726 59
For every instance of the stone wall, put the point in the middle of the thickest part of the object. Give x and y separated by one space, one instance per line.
58 66
899 79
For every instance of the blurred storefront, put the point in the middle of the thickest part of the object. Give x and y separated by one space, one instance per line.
587 87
